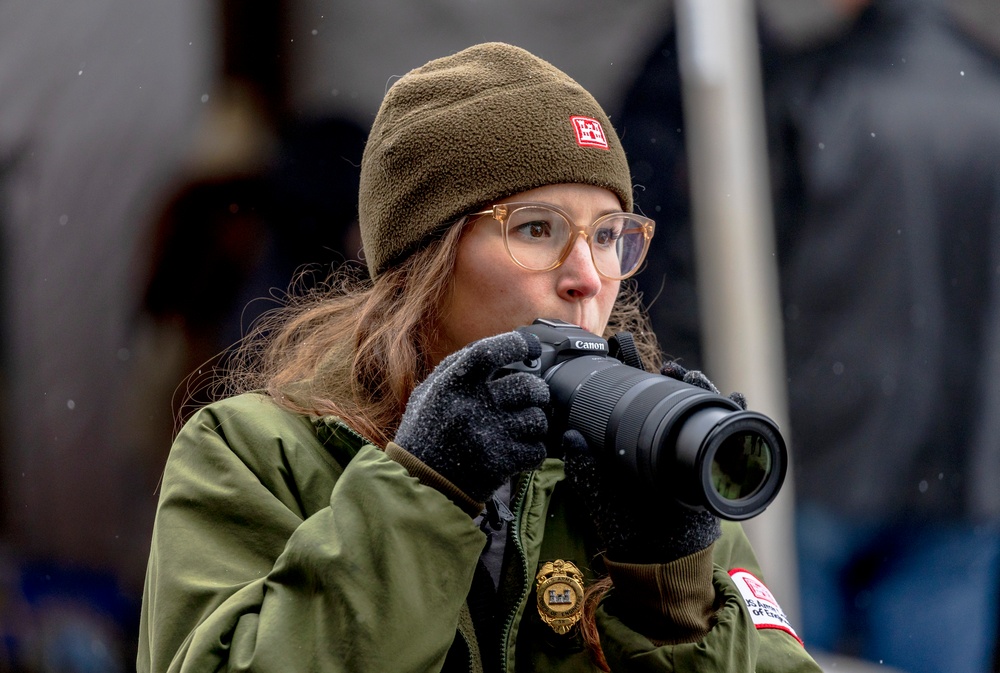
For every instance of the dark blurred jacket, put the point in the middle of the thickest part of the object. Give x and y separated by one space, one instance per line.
887 169
885 148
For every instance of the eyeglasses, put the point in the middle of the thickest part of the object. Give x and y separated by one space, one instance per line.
539 237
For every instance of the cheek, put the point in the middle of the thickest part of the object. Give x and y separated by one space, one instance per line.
494 297
606 299
483 296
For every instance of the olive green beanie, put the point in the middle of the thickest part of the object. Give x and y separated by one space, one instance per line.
464 131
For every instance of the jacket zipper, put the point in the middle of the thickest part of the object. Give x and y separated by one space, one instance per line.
518 502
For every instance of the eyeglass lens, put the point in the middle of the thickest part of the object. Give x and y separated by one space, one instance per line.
537 237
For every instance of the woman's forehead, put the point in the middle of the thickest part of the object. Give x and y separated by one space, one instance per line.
568 195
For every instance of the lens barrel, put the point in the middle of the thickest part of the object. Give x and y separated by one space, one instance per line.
694 446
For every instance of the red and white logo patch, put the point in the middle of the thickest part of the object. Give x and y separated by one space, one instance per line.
589 132
764 609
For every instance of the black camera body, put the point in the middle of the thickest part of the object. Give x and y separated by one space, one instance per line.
677 440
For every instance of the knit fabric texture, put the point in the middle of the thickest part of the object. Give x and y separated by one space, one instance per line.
467 130
633 527
472 427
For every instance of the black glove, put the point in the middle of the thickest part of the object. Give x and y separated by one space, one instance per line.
695 378
475 430
634 529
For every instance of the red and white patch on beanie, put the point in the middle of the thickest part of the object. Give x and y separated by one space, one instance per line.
764 609
589 132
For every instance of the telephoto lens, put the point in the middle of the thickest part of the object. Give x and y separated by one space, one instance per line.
675 439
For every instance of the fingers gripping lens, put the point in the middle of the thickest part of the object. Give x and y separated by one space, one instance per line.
540 237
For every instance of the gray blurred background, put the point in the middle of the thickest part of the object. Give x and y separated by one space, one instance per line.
164 164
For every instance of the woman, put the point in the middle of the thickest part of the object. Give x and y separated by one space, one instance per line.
385 503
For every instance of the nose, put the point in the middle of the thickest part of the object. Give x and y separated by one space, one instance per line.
579 278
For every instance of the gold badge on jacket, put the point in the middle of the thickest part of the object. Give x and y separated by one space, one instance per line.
560 595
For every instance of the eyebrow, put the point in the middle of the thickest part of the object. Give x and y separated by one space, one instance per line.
601 214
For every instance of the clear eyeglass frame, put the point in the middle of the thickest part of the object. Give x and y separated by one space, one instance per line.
502 212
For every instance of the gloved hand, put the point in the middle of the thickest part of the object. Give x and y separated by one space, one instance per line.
695 378
475 430
633 529
636 529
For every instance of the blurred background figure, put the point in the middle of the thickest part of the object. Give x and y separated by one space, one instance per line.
224 244
885 145
888 215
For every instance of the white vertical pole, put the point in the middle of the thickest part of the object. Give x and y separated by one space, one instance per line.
734 240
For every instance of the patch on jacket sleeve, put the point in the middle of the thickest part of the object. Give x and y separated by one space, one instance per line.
764 609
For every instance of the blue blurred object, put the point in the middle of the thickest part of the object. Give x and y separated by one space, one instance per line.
64 619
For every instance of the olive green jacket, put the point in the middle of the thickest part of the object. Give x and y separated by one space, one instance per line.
287 543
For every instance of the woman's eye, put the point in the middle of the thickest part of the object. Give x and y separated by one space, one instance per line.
535 229
606 235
